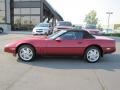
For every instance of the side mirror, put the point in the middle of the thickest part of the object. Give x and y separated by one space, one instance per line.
58 39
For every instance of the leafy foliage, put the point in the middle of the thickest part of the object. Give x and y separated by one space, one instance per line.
91 18
115 34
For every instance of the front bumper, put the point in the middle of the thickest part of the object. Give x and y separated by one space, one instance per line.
38 32
42 32
10 50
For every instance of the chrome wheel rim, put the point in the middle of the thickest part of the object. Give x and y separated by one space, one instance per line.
93 55
26 54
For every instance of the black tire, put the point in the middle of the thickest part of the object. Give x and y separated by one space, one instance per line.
87 57
46 34
32 50
1 30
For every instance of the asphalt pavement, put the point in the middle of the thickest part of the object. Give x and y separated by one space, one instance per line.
57 73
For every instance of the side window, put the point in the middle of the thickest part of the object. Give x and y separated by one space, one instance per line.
87 35
68 36
79 35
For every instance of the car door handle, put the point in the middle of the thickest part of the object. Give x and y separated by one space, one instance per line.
79 42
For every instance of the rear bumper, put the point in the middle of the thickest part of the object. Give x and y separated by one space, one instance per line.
109 50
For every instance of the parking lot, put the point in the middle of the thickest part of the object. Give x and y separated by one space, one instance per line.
57 73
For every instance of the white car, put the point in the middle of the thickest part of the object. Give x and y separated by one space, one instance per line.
42 29
108 31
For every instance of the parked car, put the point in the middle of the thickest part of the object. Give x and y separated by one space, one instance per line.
77 27
42 28
92 29
108 31
64 42
1 30
62 25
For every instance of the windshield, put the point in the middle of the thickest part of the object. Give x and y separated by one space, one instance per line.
55 35
43 25
64 24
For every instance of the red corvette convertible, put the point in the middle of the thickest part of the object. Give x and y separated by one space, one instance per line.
64 42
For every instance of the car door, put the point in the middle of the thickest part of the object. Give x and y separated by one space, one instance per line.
69 43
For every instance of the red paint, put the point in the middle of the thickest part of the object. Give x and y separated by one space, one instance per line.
44 46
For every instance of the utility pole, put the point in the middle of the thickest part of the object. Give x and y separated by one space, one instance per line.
109 14
0 14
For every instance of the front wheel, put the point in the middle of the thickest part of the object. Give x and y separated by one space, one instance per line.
26 53
92 54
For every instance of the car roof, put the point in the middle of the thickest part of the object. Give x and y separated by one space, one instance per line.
76 30
81 30
64 21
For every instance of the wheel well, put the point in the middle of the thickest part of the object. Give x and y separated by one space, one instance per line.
25 44
97 46
1 28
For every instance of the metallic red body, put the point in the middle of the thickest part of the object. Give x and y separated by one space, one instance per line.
44 46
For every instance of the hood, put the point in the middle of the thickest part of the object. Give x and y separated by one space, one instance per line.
42 28
35 38
31 38
64 27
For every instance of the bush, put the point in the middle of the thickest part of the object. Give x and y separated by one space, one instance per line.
114 34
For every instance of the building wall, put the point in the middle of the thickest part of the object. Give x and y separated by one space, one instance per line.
5 15
8 11
25 14
2 11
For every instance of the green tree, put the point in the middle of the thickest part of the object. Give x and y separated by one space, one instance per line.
91 18
100 27
2 19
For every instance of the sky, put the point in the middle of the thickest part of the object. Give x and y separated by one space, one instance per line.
75 10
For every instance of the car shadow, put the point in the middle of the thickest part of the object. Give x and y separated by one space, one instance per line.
108 62
1 34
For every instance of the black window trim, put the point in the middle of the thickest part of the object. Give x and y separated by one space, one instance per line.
83 31
90 35
67 32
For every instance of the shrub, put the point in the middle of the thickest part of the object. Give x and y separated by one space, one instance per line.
114 34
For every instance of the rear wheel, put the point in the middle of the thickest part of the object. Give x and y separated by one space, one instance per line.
92 54
26 53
